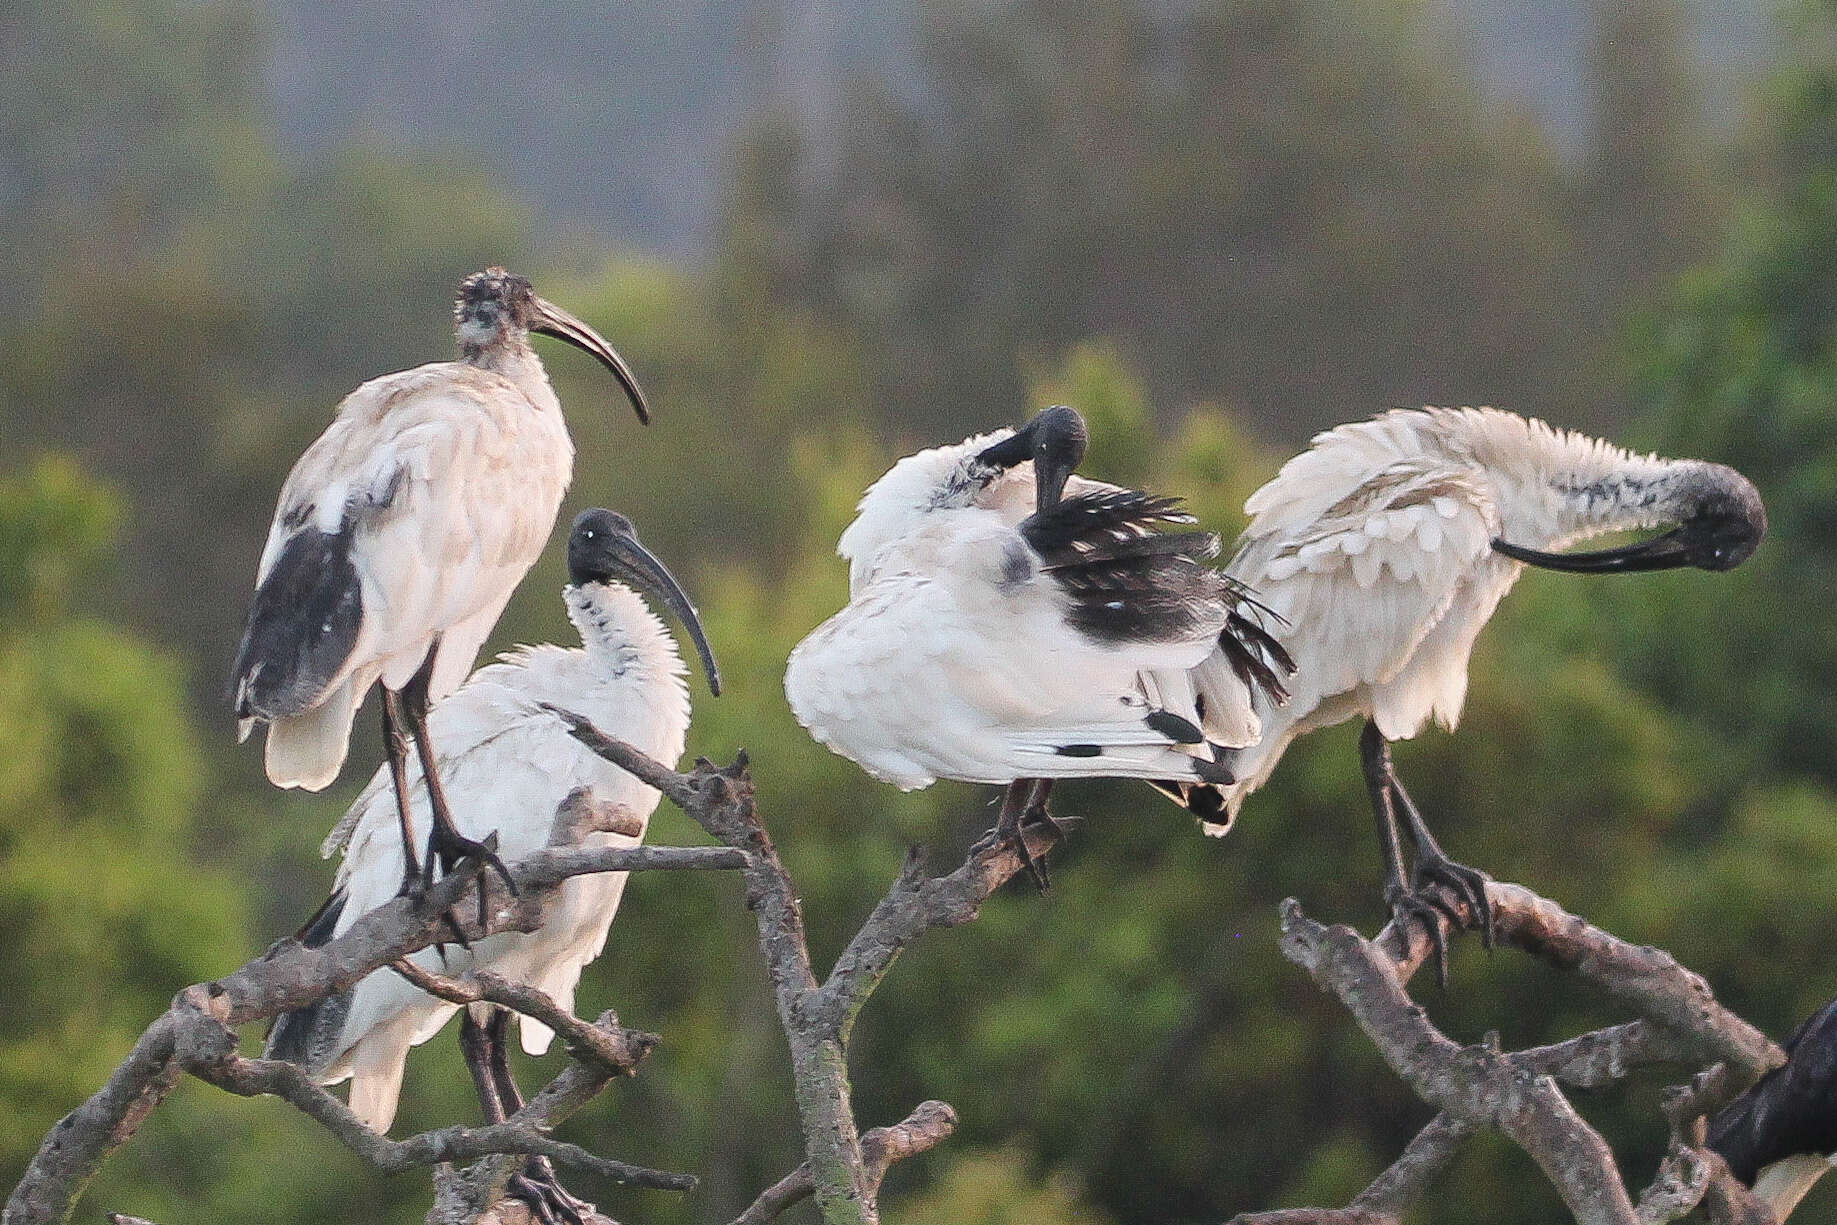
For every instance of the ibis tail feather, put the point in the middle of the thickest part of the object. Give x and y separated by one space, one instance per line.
307 750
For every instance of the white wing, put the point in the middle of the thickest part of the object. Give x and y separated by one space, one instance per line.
1363 576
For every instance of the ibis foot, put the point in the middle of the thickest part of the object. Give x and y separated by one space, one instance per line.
1427 906
1467 884
549 1202
1008 833
414 887
453 849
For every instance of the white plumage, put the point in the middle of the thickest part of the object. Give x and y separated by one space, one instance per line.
957 660
403 529
987 641
508 766
1375 546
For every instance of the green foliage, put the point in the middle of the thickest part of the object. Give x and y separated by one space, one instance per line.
1299 209
103 905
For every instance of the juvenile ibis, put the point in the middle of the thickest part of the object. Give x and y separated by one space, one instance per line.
509 765
1384 548
399 537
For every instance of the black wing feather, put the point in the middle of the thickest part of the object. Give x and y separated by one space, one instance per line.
1206 801
1127 581
307 1036
302 626
1792 1110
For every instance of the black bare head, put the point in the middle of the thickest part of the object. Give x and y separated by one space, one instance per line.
603 548
1055 440
496 309
1720 522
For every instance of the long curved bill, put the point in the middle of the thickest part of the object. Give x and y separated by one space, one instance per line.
642 569
551 320
1664 552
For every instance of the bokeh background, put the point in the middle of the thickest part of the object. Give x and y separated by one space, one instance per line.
827 233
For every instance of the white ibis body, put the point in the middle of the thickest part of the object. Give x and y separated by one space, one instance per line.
986 642
509 766
1386 546
1780 1136
402 531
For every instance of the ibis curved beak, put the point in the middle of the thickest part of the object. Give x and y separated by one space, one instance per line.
637 565
1666 552
551 320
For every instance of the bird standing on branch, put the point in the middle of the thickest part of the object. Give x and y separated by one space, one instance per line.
1008 623
511 765
399 537
1386 546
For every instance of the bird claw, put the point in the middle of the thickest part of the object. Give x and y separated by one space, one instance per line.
452 849
1012 834
1426 907
1467 884
549 1202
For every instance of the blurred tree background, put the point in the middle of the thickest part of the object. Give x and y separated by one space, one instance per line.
1213 227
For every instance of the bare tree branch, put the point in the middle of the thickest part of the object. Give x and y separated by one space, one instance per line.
817 1018
1516 1093
292 976
925 1128
1474 1084
618 1051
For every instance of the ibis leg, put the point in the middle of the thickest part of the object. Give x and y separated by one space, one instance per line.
475 1045
1406 904
536 1184
445 842
1434 866
395 748
1016 802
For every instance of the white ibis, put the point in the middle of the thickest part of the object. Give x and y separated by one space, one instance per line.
1780 1136
509 765
983 643
1385 547
399 537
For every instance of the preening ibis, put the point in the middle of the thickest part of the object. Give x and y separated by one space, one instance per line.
1386 546
1780 1136
1007 629
399 537
508 767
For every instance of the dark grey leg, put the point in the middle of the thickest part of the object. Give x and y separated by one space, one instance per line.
536 1184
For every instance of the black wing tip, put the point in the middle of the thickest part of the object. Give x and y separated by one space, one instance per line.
1256 657
1791 1110
1176 729
301 628
1124 578
1205 801
298 1036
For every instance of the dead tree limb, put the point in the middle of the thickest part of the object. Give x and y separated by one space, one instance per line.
817 1016
925 1128
1518 1093
191 1035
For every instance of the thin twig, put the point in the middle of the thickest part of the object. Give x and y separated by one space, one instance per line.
618 1051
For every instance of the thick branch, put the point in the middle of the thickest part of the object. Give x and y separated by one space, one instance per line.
815 1018
925 1128
292 976
84 1138
913 906
1474 1084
